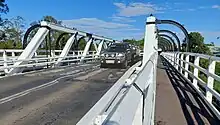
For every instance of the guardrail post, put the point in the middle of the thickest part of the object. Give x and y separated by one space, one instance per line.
172 54
53 53
177 61
196 71
13 54
186 66
181 63
5 61
210 81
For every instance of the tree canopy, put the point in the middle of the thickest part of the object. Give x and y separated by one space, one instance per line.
196 43
3 9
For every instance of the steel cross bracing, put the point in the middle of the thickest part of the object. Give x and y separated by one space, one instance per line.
29 52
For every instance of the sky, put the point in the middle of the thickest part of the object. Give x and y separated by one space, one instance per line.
120 19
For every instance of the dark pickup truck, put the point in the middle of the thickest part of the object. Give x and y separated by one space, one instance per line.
120 54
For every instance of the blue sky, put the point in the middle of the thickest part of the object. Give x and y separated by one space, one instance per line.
124 18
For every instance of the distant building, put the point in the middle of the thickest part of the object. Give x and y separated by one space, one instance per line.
215 50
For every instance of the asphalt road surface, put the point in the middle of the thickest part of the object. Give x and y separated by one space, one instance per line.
53 97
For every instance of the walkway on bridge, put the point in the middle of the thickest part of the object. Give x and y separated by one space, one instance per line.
177 103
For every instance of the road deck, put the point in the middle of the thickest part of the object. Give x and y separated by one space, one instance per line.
61 102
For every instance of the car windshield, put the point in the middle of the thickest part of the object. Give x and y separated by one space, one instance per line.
116 48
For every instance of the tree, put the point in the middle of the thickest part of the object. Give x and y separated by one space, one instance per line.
196 43
51 19
3 9
139 43
14 28
53 34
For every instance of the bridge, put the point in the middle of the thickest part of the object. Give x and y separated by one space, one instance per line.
68 86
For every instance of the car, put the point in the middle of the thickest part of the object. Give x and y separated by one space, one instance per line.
117 54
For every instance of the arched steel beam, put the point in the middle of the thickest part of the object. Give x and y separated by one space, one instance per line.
76 45
168 43
29 31
58 45
179 26
170 39
161 46
164 45
174 35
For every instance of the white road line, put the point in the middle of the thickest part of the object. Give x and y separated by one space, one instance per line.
23 93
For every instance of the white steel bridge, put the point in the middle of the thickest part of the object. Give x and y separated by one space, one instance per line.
68 87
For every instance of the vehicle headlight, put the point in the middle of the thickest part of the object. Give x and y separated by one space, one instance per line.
120 55
112 55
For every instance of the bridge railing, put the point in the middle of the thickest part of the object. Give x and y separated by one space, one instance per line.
188 64
41 61
131 100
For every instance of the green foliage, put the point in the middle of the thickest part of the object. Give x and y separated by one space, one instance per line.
10 44
51 19
82 44
14 28
3 9
196 43
139 43
210 44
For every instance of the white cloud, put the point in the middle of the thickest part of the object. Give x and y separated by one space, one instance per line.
216 6
137 9
121 19
104 28
191 9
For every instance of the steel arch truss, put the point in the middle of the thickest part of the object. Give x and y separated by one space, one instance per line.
173 35
165 44
44 29
181 27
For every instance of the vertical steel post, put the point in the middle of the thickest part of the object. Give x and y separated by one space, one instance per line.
186 66
196 72
210 82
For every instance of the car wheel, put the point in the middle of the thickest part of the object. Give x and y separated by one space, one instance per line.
125 64
102 66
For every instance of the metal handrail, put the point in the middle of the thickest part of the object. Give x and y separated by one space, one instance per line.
177 61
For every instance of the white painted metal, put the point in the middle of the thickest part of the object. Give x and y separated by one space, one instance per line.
177 61
196 71
113 107
100 47
88 44
210 72
69 30
181 63
5 63
210 81
150 40
187 66
66 49
95 45
97 110
31 48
